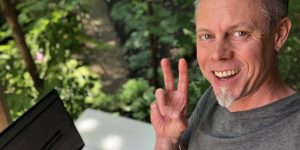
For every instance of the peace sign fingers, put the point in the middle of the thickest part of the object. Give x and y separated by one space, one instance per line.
177 99
169 79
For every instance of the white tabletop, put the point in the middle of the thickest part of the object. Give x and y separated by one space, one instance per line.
103 131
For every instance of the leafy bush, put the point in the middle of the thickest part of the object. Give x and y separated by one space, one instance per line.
53 34
172 28
135 97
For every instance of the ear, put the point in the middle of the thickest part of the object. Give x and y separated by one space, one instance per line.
282 31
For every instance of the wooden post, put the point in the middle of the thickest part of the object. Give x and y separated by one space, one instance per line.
5 118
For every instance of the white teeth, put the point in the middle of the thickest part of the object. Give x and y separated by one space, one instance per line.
226 73
232 72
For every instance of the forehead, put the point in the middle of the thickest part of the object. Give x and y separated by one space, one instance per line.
226 12
234 4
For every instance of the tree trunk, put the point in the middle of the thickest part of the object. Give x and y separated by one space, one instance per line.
153 46
5 118
9 12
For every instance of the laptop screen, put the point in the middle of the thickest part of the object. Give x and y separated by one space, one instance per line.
47 125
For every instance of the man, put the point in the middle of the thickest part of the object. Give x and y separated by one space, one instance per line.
248 106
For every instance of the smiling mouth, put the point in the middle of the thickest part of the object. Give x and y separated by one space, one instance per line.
227 74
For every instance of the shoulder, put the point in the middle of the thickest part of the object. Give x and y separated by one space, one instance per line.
198 114
207 99
292 118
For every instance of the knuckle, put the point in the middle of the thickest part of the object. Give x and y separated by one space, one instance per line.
158 91
153 105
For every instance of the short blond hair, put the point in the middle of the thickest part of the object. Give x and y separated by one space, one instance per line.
274 10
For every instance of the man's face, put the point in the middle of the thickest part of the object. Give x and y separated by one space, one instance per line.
235 51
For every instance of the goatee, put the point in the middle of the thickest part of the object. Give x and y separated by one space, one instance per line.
223 97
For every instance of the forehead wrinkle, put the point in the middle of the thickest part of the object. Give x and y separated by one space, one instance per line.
217 11
249 21
251 25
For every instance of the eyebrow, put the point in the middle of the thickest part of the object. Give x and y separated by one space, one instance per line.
240 24
202 30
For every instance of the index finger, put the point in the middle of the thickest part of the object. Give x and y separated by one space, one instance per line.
168 75
183 77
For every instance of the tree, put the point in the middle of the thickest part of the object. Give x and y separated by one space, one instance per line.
153 41
9 12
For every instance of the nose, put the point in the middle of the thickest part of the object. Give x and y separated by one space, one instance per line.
222 51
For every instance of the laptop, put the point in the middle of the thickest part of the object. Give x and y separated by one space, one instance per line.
45 126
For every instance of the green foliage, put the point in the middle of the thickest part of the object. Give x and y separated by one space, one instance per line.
136 96
140 61
52 34
78 87
290 54
20 90
198 85
172 28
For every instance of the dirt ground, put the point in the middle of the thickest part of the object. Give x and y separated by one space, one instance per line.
107 61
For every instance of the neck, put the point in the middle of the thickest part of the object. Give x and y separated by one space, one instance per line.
272 90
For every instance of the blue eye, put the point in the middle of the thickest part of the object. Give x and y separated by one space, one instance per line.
240 33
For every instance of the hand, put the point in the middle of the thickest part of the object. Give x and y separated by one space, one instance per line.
169 110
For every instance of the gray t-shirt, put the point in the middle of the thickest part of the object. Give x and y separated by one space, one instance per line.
272 127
